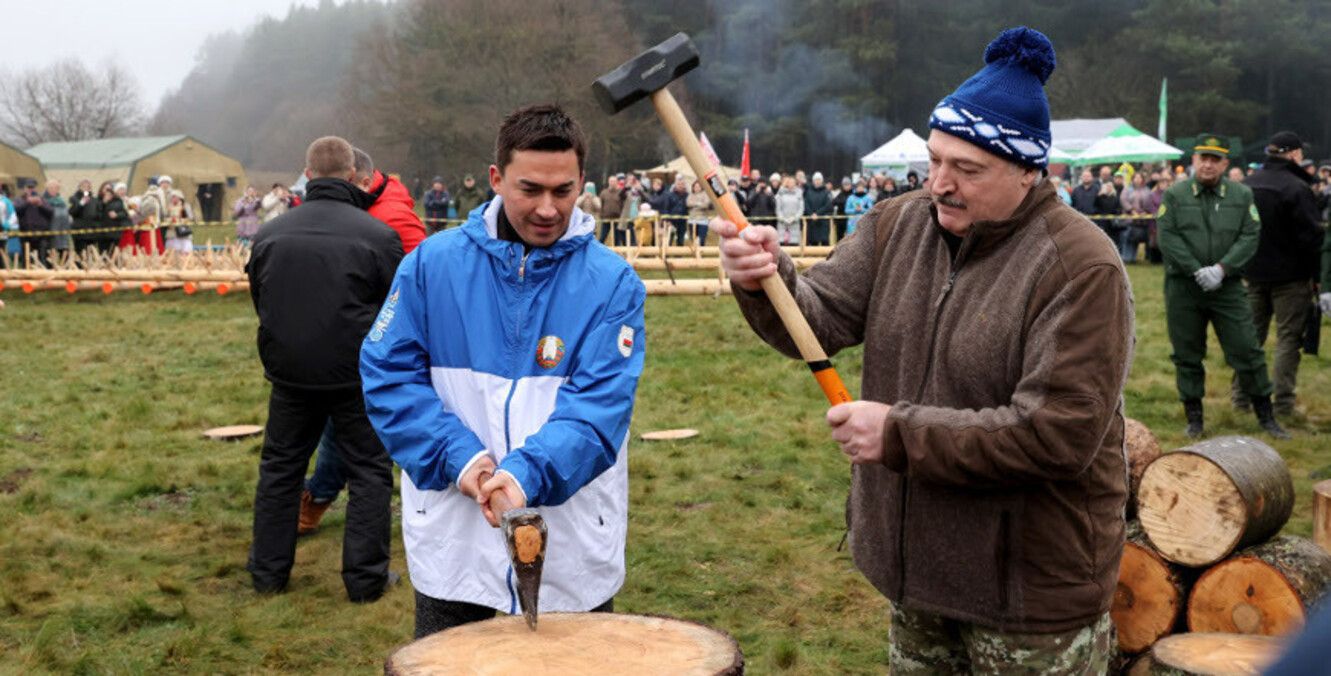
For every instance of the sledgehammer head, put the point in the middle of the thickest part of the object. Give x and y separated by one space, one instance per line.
647 72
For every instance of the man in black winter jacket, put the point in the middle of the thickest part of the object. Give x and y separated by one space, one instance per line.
818 206
1281 274
318 276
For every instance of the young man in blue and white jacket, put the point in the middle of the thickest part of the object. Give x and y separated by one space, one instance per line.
513 346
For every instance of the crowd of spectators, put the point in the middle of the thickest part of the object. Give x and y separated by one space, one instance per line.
51 226
631 208
1123 201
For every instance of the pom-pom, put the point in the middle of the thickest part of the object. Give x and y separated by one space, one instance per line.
1025 47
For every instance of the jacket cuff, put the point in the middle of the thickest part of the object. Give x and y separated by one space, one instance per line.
470 463
454 467
528 479
894 446
525 501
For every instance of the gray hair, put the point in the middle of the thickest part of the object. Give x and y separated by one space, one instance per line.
364 165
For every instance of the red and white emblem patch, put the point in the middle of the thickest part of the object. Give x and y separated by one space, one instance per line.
549 352
625 340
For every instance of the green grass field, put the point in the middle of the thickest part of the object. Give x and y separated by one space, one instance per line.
123 534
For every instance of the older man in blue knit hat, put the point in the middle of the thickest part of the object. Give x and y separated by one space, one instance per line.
988 483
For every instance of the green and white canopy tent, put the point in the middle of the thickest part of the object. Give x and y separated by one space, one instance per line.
1125 144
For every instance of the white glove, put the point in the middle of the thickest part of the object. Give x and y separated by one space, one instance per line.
1324 303
1209 278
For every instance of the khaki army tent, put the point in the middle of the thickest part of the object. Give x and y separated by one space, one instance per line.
209 179
16 165
680 166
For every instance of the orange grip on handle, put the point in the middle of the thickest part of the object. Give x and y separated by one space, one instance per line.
830 382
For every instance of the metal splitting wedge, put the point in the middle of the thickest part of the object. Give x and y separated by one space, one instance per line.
646 76
524 537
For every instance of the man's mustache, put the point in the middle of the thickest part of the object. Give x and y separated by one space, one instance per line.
950 202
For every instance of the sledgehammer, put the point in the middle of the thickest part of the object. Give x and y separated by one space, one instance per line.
524 537
646 76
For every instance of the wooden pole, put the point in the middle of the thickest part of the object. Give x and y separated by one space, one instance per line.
1322 515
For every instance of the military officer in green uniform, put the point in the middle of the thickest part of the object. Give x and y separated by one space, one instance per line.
1208 229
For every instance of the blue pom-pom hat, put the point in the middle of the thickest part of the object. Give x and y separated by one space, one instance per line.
1003 108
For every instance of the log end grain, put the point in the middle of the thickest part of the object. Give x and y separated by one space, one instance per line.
1190 509
1215 654
1266 589
1148 601
572 643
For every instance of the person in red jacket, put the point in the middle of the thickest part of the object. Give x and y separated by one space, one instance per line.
392 202
393 205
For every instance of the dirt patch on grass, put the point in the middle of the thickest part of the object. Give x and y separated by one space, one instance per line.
172 499
14 480
29 437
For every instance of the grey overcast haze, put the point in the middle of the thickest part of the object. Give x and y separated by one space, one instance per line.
155 40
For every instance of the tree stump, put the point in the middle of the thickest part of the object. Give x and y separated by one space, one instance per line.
1202 502
1214 654
1151 594
572 643
1142 449
1322 515
1265 589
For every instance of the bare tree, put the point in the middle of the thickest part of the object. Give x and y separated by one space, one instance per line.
66 101
428 92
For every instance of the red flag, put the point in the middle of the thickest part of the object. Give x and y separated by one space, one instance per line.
744 161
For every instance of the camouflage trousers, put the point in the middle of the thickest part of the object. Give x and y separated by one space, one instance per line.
924 643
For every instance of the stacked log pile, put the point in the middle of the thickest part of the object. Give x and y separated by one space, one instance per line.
1206 557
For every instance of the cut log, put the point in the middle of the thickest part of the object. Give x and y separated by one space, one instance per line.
1142 449
669 435
1265 589
1214 654
1322 515
1151 594
1202 502
572 643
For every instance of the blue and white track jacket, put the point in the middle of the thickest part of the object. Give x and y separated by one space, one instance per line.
533 361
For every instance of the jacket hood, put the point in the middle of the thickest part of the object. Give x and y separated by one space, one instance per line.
389 189
1279 163
337 190
483 228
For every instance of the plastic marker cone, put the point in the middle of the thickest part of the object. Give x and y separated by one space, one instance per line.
147 288
190 288
108 287
223 289
71 286
28 287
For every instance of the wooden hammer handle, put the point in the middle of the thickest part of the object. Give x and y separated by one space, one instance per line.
499 502
796 325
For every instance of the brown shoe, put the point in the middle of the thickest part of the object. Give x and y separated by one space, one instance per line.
311 513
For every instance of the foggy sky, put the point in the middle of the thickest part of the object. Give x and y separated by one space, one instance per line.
155 40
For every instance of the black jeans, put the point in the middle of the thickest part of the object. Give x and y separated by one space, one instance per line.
435 615
296 418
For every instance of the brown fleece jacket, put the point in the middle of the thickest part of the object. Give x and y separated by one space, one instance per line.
1000 499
